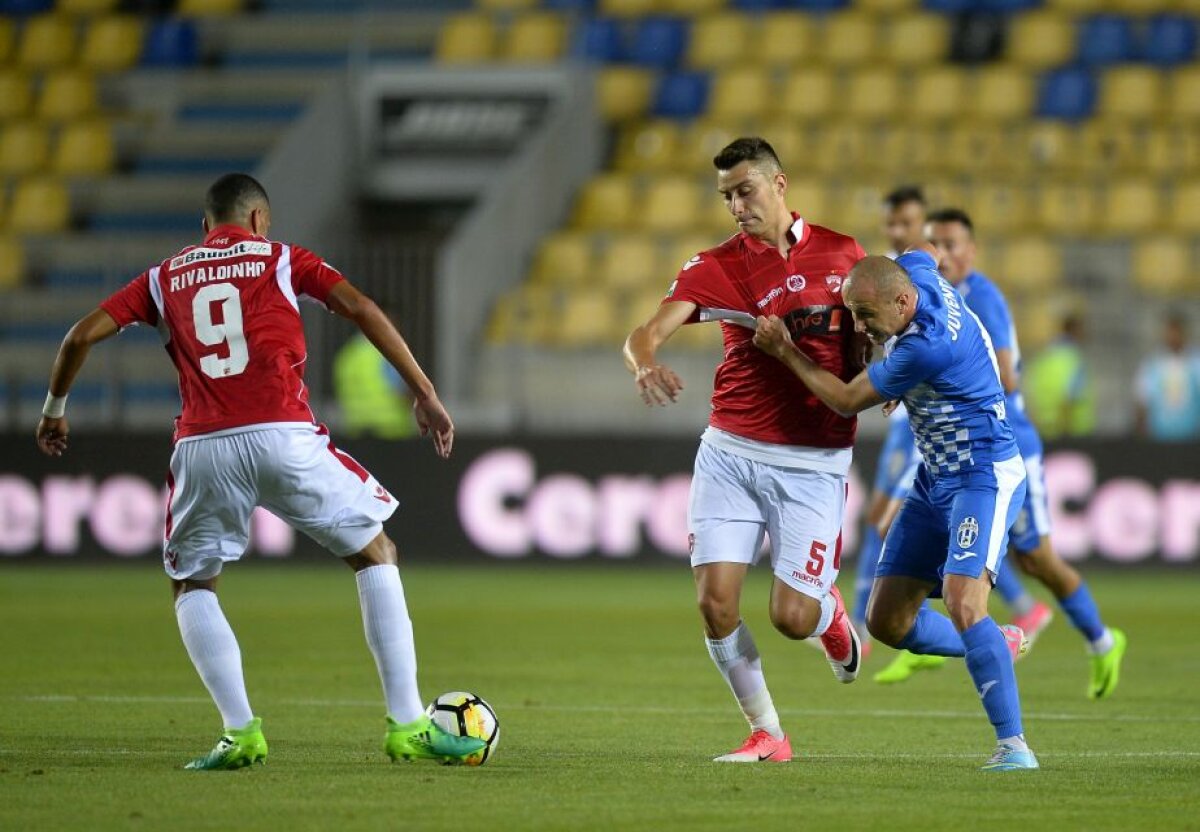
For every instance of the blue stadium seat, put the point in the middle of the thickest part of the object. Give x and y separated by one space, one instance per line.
950 6
760 5
1170 39
597 39
659 42
171 42
1067 94
1106 39
682 95
1007 6
15 7
819 5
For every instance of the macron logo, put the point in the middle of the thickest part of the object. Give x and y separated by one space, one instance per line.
695 261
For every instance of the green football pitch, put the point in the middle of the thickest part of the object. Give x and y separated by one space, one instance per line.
610 710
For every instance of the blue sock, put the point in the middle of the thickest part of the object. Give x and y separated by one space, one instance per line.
1083 612
1009 586
991 669
868 559
933 634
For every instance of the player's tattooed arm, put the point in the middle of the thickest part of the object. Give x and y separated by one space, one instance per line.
72 353
657 383
844 398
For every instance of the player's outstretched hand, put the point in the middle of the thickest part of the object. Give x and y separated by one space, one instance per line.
433 419
930 249
658 385
772 337
52 435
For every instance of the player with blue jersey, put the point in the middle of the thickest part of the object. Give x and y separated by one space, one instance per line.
952 533
952 232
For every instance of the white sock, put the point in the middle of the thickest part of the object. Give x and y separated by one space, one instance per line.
828 608
1017 742
1103 644
214 651
390 637
736 656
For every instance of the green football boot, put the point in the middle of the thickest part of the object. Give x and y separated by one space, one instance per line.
237 749
1106 667
905 665
422 739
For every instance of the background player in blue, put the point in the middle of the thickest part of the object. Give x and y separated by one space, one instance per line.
953 530
953 233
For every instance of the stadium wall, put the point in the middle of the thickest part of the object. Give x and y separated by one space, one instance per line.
597 499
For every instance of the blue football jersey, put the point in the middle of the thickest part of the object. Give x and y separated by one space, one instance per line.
943 367
989 305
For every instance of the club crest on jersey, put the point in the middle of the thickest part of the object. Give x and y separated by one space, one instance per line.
968 532
834 282
796 283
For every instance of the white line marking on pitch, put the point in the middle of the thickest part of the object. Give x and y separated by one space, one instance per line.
127 752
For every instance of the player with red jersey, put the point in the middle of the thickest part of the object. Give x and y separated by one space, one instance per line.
774 459
228 313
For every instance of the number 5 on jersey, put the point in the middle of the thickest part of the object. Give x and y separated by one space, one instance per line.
228 332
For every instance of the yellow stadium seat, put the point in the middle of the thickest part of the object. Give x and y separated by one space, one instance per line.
506 5
1172 150
605 202
671 204
685 247
849 39
858 207
838 147
741 93
205 8
1072 6
808 94
1131 92
887 6
503 324
1041 39
701 140
12 263
630 261
939 93
623 92
872 94
808 198
24 148
536 37
67 94
1164 266
48 41
1185 93
589 319
719 41
1184 213
8 38
691 7
16 98
790 141
650 146
914 39
1107 147
112 43
564 258
1051 146
1068 209
40 206
628 8
1146 6
1038 323
785 38
466 38
85 148
1002 92
715 217
1131 206
85 7
641 306
524 315
1028 265
999 208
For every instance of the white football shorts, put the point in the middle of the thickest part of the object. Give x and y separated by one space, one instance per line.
735 501
291 469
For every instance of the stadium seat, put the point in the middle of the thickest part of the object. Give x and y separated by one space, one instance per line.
640 305
606 202
888 6
1067 209
525 315
111 44
40 206
1131 93
671 204
938 93
623 92
658 42
1002 93
719 41
209 8
1184 212
683 248
858 207
740 93
535 38
702 140
1172 150
872 94
573 6
682 95
85 7
838 147
692 7
1001 208
1170 39
47 42
506 5
67 94
12 262
589 318
563 259
785 38
1130 207
1072 7
597 39
971 148
628 8
809 198
24 148
790 140
915 39
1185 93
8 39
849 39
1068 94
1051 146
1106 39
16 98
808 94
1040 39
629 261
1029 265
85 148
649 147
1108 148
466 38
715 218
171 42
1163 266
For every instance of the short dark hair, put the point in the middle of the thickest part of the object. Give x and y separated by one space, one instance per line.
746 149
957 215
903 194
231 197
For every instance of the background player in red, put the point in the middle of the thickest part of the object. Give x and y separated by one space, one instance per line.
774 459
229 316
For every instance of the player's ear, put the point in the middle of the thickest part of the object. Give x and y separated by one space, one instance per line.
204 224
781 183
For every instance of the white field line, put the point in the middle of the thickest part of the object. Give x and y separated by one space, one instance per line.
870 713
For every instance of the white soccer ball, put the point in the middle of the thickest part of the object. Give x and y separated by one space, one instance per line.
466 715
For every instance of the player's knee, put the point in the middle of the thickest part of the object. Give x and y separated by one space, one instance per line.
964 611
888 628
721 615
796 620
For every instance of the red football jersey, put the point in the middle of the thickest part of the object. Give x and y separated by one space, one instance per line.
229 316
754 395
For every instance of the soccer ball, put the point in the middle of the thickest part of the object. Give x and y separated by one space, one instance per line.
466 715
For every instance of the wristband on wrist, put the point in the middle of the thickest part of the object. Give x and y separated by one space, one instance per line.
55 406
